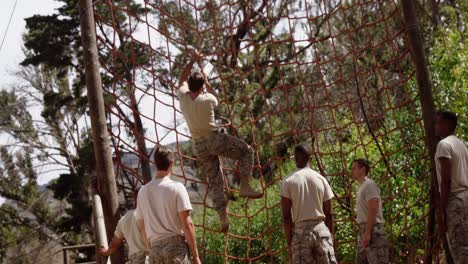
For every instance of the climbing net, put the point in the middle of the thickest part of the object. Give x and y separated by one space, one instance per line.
336 75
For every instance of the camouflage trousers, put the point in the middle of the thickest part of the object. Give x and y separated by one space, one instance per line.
457 226
208 151
312 242
172 250
137 258
377 250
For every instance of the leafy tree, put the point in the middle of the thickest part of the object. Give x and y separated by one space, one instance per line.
447 61
55 137
54 83
54 41
26 215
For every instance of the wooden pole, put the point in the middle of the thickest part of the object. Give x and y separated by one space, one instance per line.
65 256
104 167
416 44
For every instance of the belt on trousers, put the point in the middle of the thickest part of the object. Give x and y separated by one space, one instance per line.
137 255
459 192
167 240
301 224
220 130
378 225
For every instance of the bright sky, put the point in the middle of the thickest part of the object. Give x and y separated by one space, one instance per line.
11 54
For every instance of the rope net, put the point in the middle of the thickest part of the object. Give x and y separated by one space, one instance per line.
334 74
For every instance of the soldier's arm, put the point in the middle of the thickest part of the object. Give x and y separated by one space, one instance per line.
372 210
287 219
446 179
188 68
328 211
141 228
114 245
189 233
210 88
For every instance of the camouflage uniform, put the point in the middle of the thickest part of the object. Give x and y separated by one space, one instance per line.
172 250
457 226
208 149
137 258
312 242
377 250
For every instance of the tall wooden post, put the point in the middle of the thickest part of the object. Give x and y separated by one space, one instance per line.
416 44
101 142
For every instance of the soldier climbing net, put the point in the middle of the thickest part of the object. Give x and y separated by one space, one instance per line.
336 75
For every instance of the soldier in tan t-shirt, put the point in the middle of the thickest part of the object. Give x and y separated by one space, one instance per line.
451 160
306 204
127 229
209 143
372 244
163 215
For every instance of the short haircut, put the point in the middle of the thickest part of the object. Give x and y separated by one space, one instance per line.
163 157
196 81
304 149
363 163
450 117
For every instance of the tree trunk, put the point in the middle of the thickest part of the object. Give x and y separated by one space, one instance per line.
435 12
418 55
107 187
139 133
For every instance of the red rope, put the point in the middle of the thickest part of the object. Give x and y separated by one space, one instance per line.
303 62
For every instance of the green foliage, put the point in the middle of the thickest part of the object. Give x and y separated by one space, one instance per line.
55 137
448 64
15 118
55 71
50 41
25 210
402 182
75 188
276 97
261 239
19 178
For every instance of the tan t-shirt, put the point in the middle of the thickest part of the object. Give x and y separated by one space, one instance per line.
368 189
127 228
453 148
159 203
307 190
198 113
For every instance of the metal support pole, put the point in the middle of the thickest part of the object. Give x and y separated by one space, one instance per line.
104 166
